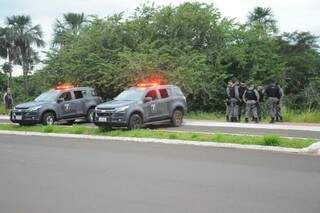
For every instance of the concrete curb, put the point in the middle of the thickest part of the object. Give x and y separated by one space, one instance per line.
163 141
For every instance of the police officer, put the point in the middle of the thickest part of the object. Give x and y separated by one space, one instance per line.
242 89
234 101
279 106
260 107
251 98
273 94
8 100
227 100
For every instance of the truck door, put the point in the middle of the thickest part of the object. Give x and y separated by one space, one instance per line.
164 103
80 101
67 106
151 108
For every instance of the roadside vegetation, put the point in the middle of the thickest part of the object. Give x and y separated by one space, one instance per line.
192 45
267 140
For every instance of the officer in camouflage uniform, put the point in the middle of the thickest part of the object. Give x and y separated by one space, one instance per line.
279 106
260 106
251 98
274 95
242 105
227 101
233 93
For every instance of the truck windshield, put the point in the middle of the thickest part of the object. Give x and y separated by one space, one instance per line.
48 96
130 95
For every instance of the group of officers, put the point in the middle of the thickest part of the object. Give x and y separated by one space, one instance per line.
249 99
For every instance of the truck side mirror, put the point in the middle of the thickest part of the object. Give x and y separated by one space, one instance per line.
147 99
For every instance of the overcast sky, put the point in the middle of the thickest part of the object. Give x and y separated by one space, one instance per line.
301 15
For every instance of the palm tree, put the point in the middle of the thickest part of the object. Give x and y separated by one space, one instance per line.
25 36
68 27
262 18
8 51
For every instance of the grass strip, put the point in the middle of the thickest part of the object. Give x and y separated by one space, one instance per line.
266 140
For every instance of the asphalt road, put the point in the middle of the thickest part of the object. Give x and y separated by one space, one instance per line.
47 174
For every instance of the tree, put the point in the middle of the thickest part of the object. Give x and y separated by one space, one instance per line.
8 51
68 27
263 19
25 36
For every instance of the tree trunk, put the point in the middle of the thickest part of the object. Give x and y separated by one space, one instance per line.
25 79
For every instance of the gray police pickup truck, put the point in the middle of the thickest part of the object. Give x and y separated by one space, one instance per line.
141 105
62 103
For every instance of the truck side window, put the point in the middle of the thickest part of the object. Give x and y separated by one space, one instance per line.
152 94
66 96
78 94
163 93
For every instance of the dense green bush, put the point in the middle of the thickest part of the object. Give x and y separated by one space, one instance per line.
191 45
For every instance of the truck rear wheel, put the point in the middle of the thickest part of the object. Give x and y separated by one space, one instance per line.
48 118
177 118
135 122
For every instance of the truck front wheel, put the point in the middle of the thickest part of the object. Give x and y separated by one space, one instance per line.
48 118
135 122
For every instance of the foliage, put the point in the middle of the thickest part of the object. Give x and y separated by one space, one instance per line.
191 45
271 140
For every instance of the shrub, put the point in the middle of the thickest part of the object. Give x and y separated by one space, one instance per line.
271 140
48 128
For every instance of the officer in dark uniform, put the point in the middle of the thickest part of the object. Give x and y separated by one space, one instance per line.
242 89
251 98
260 107
273 94
8 100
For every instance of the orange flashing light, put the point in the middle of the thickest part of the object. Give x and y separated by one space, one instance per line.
64 86
147 84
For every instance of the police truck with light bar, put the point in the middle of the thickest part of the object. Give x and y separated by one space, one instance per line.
64 102
142 104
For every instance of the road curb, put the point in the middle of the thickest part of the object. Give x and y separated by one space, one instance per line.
163 141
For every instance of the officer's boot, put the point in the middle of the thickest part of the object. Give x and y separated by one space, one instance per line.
272 120
227 118
277 119
246 120
280 118
256 120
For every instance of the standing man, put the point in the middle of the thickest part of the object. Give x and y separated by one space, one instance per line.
227 101
8 100
234 101
251 98
274 95
260 108
279 106
242 89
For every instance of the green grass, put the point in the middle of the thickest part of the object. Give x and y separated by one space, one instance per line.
301 117
2 110
267 140
288 116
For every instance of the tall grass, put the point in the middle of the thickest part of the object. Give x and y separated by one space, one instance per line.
301 116
2 110
293 116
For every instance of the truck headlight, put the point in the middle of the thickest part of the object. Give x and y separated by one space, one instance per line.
32 109
122 109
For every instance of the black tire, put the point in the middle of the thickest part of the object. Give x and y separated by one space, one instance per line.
135 122
48 118
90 115
177 118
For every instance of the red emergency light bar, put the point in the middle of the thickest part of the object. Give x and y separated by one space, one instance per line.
147 85
64 86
